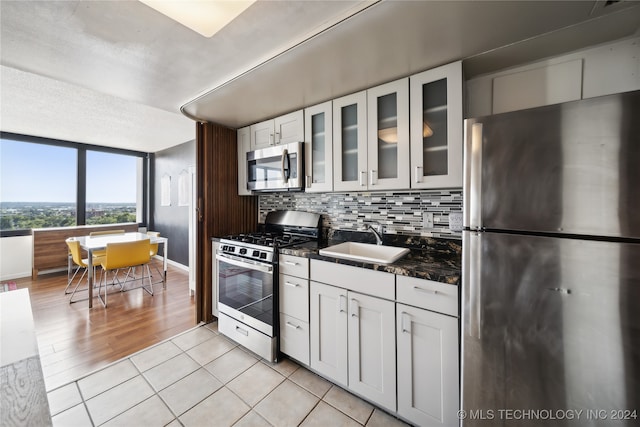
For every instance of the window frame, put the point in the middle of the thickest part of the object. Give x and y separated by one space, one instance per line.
81 168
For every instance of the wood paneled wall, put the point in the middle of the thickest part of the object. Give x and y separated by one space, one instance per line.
50 249
220 210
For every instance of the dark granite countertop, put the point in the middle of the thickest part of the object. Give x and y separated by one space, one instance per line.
432 259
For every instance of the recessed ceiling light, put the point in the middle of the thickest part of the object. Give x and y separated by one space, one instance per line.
205 17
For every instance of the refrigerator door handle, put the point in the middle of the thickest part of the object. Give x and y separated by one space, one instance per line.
473 178
474 280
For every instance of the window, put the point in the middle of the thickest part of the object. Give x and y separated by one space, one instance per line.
37 185
111 197
49 183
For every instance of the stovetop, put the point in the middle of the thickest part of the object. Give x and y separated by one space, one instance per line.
281 229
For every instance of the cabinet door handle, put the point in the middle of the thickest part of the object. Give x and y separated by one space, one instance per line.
293 285
291 263
418 174
277 139
342 308
428 291
363 178
406 322
373 177
272 139
291 325
308 181
354 307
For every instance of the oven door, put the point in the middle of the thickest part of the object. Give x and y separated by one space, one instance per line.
275 168
245 291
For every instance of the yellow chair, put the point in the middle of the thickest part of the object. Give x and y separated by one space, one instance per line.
154 250
75 257
103 233
124 255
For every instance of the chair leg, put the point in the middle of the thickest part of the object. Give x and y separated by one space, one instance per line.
148 275
103 301
71 277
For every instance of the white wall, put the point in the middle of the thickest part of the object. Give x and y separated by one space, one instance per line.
16 254
605 69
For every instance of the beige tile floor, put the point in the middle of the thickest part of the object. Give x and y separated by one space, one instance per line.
200 378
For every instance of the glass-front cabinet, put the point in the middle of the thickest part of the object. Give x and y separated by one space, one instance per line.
388 135
436 127
350 142
318 141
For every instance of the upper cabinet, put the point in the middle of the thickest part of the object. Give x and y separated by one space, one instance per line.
436 127
281 130
244 146
318 147
371 138
388 135
350 142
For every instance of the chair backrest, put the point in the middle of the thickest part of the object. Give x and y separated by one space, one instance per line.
74 249
126 254
103 233
153 246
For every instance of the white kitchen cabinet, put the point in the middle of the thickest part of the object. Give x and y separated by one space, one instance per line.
244 146
436 127
371 349
428 363
328 330
388 136
371 139
318 146
281 130
293 299
350 142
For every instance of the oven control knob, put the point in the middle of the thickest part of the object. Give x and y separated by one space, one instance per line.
225 248
256 253
243 251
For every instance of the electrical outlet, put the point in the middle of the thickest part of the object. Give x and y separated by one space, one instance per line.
455 221
427 219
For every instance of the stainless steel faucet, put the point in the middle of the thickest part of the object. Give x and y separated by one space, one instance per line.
377 233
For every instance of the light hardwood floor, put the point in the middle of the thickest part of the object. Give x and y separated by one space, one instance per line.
74 340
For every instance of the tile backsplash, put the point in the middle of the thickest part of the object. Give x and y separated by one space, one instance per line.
401 212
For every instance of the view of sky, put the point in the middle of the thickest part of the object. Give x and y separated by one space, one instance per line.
46 173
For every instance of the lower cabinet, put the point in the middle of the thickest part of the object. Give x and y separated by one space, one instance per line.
353 341
428 377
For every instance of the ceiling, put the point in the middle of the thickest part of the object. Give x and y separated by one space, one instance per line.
118 73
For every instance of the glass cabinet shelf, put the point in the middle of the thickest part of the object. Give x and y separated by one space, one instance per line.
436 148
436 109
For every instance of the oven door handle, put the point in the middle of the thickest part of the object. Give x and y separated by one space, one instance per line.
245 263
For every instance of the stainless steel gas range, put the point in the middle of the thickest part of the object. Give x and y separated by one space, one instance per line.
248 279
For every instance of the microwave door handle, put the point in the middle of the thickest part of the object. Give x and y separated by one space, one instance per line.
285 169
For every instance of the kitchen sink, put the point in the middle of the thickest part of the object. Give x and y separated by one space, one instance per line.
365 252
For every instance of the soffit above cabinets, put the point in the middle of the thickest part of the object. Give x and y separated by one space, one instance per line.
390 40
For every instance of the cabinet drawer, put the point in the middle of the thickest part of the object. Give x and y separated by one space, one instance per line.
427 294
369 282
261 344
294 266
294 296
294 338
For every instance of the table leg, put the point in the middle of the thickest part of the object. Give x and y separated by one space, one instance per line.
164 264
90 277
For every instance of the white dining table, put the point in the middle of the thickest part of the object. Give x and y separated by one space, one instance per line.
94 243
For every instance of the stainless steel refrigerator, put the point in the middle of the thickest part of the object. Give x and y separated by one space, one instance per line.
551 265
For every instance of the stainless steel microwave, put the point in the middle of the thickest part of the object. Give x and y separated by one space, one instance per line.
277 168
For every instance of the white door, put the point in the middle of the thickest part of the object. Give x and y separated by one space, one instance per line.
428 375
350 142
318 147
372 356
388 135
436 127
328 325
262 135
289 128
